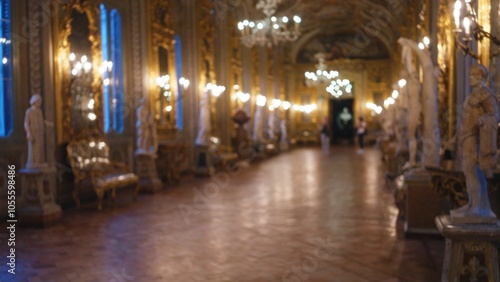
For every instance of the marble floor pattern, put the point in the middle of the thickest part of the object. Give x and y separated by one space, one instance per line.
297 216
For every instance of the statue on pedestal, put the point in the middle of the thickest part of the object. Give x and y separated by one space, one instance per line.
257 128
413 89
429 103
479 148
147 141
284 134
34 124
203 138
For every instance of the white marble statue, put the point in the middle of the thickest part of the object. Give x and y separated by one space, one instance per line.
401 122
431 134
257 126
387 123
34 124
479 147
413 90
271 119
284 134
147 141
205 128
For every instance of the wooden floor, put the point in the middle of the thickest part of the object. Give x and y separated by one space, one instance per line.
298 216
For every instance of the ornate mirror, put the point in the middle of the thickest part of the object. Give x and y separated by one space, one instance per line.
81 93
162 61
78 82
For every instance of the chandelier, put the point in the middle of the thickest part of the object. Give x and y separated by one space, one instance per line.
271 30
338 87
321 76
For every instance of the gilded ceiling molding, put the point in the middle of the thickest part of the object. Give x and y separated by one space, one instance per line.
91 9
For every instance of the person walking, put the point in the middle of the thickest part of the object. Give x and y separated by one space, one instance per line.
325 136
360 130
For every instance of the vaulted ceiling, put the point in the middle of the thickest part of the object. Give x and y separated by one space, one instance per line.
364 29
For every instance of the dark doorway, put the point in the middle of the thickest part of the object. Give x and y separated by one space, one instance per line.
342 121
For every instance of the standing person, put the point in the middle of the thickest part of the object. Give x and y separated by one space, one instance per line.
325 136
361 129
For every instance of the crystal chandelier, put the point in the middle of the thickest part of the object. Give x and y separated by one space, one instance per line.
321 76
338 87
271 30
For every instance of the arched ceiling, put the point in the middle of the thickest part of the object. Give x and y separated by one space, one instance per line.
364 29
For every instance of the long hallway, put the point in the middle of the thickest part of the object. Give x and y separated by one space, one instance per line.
298 216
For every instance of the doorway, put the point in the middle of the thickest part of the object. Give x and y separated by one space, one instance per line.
342 121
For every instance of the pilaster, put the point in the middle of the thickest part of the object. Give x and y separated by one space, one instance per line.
190 63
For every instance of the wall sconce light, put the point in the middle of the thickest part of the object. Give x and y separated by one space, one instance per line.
261 101
184 82
395 94
402 83
215 89
276 103
471 27
375 109
286 105
242 97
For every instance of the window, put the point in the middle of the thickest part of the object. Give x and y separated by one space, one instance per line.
180 97
111 37
6 115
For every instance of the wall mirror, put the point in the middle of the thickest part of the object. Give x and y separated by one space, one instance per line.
78 85
81 93
162 61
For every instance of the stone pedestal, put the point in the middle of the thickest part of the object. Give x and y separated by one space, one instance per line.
145 167
471 252
204 165
423 204
39 209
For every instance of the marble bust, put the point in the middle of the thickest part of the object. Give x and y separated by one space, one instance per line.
34 125
147 142
479 148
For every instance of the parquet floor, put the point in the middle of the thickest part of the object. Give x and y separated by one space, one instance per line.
298 216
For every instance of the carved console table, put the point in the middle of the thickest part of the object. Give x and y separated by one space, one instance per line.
169 162
449 181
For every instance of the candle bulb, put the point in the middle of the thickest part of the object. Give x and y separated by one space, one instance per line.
456 13
466 24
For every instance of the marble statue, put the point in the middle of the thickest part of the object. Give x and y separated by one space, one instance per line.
34 124
401 122
387 123
479 147
413 89
205 128
429 103
257 126
284 134
272 126
147 141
